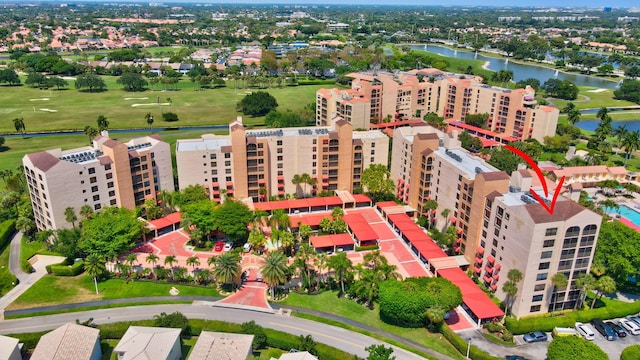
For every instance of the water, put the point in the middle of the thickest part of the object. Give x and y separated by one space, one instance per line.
593 124
120 131
522 71
627 212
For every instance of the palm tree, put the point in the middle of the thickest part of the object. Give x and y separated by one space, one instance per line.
193 261
305 253
341 266
511 289
226 267
573 116
18 123
435 315
131 259
149 119
320 264
514 276
91 132
429 206
70 216
630 143
204 276
605 284
94 266
602 113
585 283
180 274
445 214
559 281
274 271
152 259
170 260
569 107
102 122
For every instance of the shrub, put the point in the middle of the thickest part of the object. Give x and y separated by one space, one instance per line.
493 327
574 348
173 320
68 270
259 337
631 353
170 117
367 248
7 228
461 344
281 340
404 303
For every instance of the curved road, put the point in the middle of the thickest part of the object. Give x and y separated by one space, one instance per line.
345 340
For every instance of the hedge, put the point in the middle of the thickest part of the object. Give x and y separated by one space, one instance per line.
613 309
64 263
367 248
461 344
68 270
7 228
631 353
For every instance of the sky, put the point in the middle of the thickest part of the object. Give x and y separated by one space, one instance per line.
500 3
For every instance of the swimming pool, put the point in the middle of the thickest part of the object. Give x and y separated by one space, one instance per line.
627 212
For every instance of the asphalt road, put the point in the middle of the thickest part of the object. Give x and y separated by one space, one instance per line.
345 340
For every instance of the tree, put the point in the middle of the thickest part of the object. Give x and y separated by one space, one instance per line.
173 320
91 132
226 267
379 352
559 281
256 239
9 76
91 82
190 194
377 181
604 285
110 232
477 120
18 123
504 160
274 270
307 344
86 211
170 260
149 119
257 104
631 353
306 179
341 266
630 143
232 218
259 336
470 142
584 283
152 259
94 265
70 216
132 82
193 261
199 215
102 122
514 276
574 348
573 114
434 120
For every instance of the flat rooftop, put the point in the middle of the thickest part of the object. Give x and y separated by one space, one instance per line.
212 143
471 165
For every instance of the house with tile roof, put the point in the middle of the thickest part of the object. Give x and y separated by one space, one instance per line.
69 342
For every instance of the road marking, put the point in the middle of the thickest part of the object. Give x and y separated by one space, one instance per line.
317 333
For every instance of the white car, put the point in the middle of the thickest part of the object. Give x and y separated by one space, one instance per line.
634 319
227 247
586 331
630 326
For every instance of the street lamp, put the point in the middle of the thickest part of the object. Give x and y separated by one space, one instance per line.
468 348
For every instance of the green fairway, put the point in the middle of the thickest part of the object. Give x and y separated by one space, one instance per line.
330 303
53 110
53 290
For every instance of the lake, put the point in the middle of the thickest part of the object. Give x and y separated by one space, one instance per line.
520 71
593 124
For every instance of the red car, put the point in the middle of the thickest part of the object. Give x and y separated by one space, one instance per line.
219 246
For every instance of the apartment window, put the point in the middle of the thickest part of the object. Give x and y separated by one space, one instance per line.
113 202
213 156
107 167
551 232
536 298
227 163
544 266
112 193
93 179
97 207
570 242
541 276
228 178
279 158
227 155
539 287
535 308
92 170
109 175
144 158
94 188
226 171
279 142
546 254
96 197
548 243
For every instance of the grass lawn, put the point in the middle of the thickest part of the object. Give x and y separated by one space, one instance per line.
5 275
74 109
267 354
330 303
107 347
28 249
53 290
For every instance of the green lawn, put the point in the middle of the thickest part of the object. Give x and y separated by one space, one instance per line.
329 302
75 109
28 249
53 290
5 275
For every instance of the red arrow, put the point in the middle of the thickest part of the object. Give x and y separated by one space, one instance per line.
535 167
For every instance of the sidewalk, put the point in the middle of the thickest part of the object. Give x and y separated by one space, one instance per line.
26 280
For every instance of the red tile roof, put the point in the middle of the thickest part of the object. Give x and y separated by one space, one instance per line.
477 301
360 227
331 240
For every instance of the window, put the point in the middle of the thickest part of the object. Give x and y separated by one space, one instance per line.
96 197
107 167
92 170
97 206
113 202
228 178
536 298
548 243
551 232
213 156
227 155
93 179
541 276
112 193
539 287
227 163
94 188
544 266
279 142
535 308
546 254
109 175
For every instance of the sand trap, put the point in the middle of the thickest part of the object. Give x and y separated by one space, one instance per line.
69 78
48 110
41 99
140 98
150 104
598 90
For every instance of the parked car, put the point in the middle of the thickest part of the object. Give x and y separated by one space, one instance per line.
218 247
227 247
515 357
634 318
604 329
247 247
560 331
616 329
585 331
535 336
630 326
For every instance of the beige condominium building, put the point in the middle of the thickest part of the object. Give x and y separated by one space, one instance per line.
499 226
405 95
109 173
262 163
